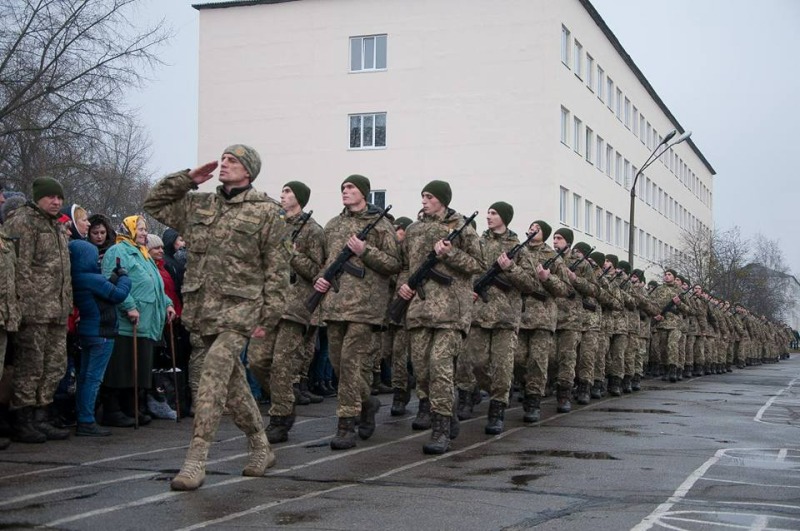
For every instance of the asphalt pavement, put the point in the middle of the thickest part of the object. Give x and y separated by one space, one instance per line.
716 452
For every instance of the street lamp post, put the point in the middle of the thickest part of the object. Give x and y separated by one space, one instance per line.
659 150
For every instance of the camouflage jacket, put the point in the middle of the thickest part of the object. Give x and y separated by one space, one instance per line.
570 309
9 305
539 309
613 302
647 309
237 270
307 257
504 308
361 300
662 296
44 283
588 289
631 308
448 307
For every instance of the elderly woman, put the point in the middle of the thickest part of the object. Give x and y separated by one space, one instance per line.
145 310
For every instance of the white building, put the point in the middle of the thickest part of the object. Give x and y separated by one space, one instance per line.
533 102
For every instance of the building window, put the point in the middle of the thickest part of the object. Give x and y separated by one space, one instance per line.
633 177
368 53
618 231
377 198
367 131
601 147
589 72
627 174
566 43
618 169
601 83
642 121
578 63
635 122
649 139
640 250
576 134
627 114
626 235
564 126
610 91
609 226
618 105
587 217
589 144
576 211
609 159
562 205
598 224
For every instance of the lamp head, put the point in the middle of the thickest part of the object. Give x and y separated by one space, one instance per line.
669 136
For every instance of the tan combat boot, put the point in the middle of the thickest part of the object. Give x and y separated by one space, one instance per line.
261 455
193 472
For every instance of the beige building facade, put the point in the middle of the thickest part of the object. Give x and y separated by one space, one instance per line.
533 102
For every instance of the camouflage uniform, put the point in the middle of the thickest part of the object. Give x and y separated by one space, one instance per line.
437 325
646 310
9 305
667 331
44 292
236 279
492 340
588 288
569 329
618 329
357 311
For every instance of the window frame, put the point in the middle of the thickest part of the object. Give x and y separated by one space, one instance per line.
375 47
361 117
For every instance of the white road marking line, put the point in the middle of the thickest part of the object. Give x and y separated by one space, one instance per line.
765 407
760 523
750 484
782 454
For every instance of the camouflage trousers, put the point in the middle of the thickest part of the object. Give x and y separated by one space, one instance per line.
433 353
640 347
587 355
307 352
223 381
196 359
666 343
690 339
602 353
629 365
274 359
398 346
618 346
3 344
488 362
351 346
700 350
534 350
383 350
681 350
563 366
39 364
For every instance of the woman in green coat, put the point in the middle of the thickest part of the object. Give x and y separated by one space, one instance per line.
147 308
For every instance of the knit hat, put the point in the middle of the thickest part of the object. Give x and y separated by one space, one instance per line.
598 258
154 241
360 182
639 274
46 186
584 248
504 210
652 283
301 192
625 266
613 259
566 234
402 223
248 157
440 190
546 229
670 270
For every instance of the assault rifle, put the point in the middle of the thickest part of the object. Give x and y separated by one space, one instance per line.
490 277
342 265
547 263
651 290
576 263
670 307
398 307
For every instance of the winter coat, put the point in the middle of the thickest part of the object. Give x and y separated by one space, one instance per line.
146 294
94 295
662 296
9 305
44 286
308 255
539 309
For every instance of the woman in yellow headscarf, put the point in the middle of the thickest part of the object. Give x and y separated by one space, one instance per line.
149 308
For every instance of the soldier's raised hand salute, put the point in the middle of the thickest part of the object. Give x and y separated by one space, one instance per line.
202 173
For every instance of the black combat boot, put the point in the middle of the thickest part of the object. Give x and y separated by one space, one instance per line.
664 373
562 395
597 389
672 373
465 405
455 425
423 419
698 370
687 371
306 392
24 429
636 383
626 384
378 387
299 398
729 367
278 429
366 423
345 437
399 402
43 424
496 416
583 396
440 435
477 397
531 406
615 386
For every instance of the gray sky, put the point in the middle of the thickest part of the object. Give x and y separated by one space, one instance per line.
727 70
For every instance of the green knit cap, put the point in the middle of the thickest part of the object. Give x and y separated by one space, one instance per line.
440 190
639 274
584 248
301 192
625 266
614 259
248 157
674 273
546 229
567 234
402 223
360 182
505 211
45 187
598 258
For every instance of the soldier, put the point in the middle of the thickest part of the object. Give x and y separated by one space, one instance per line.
536 344
438 322
597 260
398 341
667 333
9 305
488 358
617 326
276 359
632 319
236 277
646 311
356 311
700 311
588 288
44 291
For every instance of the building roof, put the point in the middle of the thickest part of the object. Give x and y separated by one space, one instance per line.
592 12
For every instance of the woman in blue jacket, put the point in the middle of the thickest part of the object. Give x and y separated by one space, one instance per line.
149 308
96 298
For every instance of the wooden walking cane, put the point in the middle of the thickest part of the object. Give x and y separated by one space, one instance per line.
175 374
135 378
